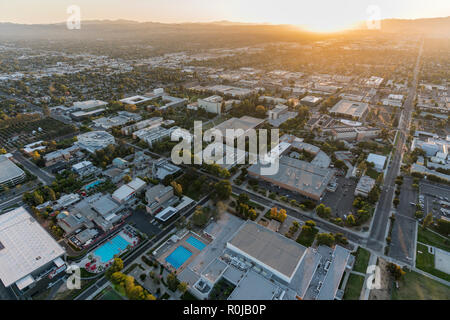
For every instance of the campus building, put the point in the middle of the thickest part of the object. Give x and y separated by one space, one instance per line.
10 174
30 258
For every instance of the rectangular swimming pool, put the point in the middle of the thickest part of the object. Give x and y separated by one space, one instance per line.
178 257
195 243
111 247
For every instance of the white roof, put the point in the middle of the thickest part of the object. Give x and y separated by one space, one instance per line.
25 246
123 192
376 159
136 184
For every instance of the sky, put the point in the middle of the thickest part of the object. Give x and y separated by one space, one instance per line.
316 15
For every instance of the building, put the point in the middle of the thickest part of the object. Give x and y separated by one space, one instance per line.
127 191
377 160
156 134
60 155
83 109
120 163
10 173
30 258
162 168
121 119
265 265
241 126
156 196
212 104
310 101
115 174
222 154
271 250
276 112
364 186
136 100
395 100
152 122
85 168
297 175
354 133
350 109
94 140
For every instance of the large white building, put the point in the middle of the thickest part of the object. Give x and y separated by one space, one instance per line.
10 174
95 140
28 254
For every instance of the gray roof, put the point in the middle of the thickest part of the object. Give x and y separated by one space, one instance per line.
254 287
270 248
105 205
334 275
8 170
299 176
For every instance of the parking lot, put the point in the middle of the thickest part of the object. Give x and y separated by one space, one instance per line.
434 195
141 220
341 201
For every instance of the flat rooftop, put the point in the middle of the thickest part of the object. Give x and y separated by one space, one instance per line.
350 108
267 247
8 170
298 175
25 246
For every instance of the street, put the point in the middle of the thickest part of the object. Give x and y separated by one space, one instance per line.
377 235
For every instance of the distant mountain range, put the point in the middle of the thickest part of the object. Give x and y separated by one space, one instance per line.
114 29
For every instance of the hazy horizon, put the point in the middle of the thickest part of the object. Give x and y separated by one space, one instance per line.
320 15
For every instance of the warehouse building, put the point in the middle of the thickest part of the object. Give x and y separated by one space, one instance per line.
30 258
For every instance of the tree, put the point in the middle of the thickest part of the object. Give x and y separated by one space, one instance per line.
182 286
223 189
350 220
199 218
428 220
127 178
243 198
177 188
37 198
172 281
443 226
326 239
395 270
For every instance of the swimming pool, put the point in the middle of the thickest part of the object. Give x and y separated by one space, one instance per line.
92 184
110 248
195 243
178 257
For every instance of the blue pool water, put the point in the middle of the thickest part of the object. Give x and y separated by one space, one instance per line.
178 257
110 248
93 184
195 243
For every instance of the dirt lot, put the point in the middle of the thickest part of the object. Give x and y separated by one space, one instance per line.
386 283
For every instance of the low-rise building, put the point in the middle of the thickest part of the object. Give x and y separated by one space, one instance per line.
351 109
377 160
364 186
94 140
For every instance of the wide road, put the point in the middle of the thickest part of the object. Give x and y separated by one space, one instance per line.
42 175
377 235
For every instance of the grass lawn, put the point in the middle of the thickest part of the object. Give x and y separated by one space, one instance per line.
110 294
414 286
354 286
425 262
431 238
361 260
